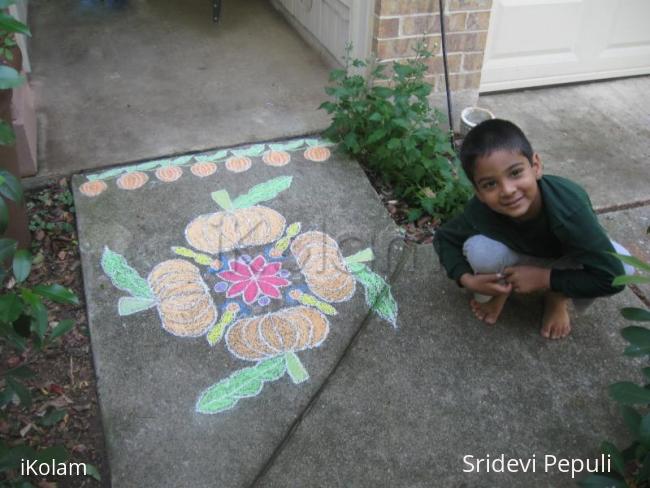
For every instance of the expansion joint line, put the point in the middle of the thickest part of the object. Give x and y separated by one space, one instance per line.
406 254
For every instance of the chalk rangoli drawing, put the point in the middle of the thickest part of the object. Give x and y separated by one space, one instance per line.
93 188
182 289
242 223
253 280
276 157
203 169
323 266
317 153
132 181
205 164
168 174
238 164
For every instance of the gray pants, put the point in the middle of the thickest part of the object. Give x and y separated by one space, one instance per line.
487 256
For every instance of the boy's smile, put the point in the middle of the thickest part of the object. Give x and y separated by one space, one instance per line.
507 183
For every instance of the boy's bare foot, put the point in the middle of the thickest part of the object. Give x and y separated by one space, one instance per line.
556 323
489 311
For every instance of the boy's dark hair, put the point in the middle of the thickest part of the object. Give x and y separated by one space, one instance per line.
492 135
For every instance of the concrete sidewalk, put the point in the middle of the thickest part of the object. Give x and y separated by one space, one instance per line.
117 82
359 403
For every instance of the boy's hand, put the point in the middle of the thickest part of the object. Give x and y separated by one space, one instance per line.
486 284
527 279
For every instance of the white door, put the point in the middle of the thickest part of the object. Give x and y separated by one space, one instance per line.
334 23
543 42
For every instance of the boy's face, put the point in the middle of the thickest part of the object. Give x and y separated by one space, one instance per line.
507 183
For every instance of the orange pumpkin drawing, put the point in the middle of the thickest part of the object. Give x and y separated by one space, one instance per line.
317 154
203 169
289 330
132 181
238 164
228 230
276 158
168 174
183 299
323 266
93 188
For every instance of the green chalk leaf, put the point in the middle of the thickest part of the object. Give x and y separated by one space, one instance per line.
378 295
199 258
263 192
294 229
312 142
361 257
145 166
124 276
293 145
222 198
180 161
245 383
211 157
107 174
296 370
131 305
252 151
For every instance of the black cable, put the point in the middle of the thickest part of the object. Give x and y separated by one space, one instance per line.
444 60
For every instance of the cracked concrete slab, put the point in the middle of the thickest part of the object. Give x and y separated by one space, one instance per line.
404 410
150 380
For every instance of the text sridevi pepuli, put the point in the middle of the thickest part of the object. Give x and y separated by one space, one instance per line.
505 464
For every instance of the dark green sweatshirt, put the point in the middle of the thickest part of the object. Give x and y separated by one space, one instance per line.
567 227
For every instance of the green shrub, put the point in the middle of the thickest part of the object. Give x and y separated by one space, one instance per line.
393 132
631 466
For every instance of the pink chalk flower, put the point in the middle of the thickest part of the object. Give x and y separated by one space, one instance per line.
254 279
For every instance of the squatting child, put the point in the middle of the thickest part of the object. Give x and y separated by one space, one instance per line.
525 232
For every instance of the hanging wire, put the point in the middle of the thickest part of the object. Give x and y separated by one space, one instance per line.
444 61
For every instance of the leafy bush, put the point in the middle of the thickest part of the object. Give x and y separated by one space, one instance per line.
631 465
393 131
23 314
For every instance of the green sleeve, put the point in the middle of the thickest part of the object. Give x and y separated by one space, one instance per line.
587 243
448 244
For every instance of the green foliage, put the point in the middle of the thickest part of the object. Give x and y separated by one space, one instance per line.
23 312
630 466
393 131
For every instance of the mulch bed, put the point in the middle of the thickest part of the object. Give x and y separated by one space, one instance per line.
65 378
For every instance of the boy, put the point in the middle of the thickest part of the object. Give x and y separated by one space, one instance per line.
521 232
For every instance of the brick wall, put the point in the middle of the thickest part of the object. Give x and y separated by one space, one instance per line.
400 24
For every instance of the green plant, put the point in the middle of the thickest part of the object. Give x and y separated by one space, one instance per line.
394 132
631 466
24 320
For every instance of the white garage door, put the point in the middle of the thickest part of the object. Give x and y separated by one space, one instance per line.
334 23
542 42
